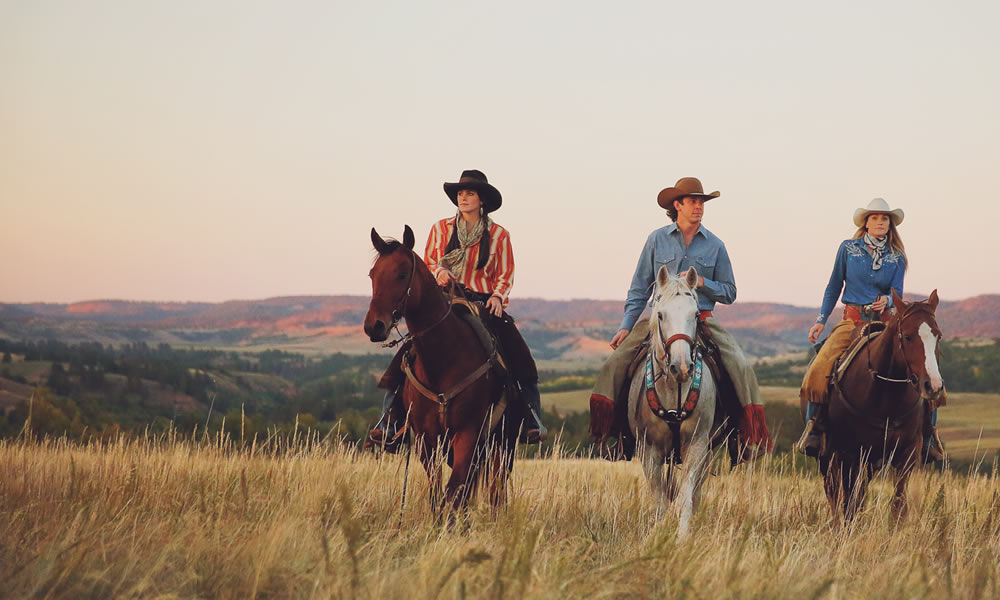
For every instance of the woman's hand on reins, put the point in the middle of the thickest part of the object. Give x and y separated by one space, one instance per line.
495 306
880 303
443 277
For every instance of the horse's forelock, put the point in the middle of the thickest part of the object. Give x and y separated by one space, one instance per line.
391 245
671 289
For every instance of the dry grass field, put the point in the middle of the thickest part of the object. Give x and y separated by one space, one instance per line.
969 425
171 518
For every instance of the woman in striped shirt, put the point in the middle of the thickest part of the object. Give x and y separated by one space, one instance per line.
473 250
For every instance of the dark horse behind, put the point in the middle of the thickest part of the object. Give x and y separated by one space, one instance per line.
878 410
453 394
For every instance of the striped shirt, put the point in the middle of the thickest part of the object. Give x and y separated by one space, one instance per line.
495 278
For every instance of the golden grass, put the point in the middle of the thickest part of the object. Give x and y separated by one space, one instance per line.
178 519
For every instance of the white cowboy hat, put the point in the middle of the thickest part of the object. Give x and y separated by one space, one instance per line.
878 205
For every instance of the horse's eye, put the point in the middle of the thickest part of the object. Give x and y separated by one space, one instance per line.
401 276
908 338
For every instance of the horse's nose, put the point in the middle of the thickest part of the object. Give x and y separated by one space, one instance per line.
376 332
679 373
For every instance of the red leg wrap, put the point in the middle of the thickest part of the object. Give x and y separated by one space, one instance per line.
602 416
753 427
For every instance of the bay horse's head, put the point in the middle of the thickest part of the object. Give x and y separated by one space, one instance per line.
673 322
392 281
917 337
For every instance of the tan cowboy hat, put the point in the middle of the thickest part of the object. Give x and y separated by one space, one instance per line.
475 180
877 205
685 186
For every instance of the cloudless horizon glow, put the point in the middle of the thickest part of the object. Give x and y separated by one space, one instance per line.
209 151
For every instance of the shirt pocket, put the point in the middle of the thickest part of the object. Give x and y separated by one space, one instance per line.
671 261
705 267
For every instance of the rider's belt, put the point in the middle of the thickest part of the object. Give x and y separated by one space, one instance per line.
476 296
704 314
863 313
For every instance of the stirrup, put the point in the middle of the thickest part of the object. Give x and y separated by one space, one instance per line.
934 451
811 442
378 441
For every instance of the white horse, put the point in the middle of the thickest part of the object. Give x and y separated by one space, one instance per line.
675 368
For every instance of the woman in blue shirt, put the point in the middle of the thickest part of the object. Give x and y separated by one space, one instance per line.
867 267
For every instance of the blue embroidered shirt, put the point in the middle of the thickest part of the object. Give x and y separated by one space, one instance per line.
852 273
665 246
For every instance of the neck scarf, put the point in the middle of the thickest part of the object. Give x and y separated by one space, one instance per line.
468 236
878 249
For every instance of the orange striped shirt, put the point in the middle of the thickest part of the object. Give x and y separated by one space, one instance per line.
495 278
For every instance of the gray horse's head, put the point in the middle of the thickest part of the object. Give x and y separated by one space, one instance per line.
673 322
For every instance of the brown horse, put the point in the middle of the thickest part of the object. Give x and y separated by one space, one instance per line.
878 410
452 388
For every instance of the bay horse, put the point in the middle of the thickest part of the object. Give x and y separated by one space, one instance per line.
452 389
877 410
672 401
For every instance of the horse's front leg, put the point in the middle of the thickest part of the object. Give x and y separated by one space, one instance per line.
466 463
690 494
833 485
652 465
899 506
430 458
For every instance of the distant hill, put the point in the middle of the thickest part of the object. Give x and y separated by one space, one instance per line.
559 330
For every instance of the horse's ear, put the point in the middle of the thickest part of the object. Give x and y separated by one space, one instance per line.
378 242
662 276
933 300
691 278
408 239
897 301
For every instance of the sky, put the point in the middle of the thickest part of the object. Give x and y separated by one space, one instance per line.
209 150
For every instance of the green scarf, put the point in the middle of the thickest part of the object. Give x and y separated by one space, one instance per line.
468 236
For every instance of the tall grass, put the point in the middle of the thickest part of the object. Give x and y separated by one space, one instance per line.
177 517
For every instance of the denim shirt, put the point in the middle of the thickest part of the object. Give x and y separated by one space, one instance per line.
852 272
665 246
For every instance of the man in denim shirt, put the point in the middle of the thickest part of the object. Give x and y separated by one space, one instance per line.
680 245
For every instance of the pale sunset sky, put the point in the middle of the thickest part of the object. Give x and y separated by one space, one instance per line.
208 150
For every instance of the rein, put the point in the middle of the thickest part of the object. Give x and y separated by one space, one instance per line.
675 416
911 377
400 308
890 421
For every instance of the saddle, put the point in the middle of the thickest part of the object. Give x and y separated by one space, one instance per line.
728 409
399 369
860 337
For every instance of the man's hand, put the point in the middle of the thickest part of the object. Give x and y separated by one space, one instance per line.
880 303
701 282
495 306
814 332
619 338
444 277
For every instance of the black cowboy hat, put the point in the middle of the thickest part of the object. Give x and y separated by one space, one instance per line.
475 180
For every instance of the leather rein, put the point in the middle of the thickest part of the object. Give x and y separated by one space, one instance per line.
894 421
399 308
675 416
443 398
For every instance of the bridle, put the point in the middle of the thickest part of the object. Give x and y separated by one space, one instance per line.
685 407
399 310
911 377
